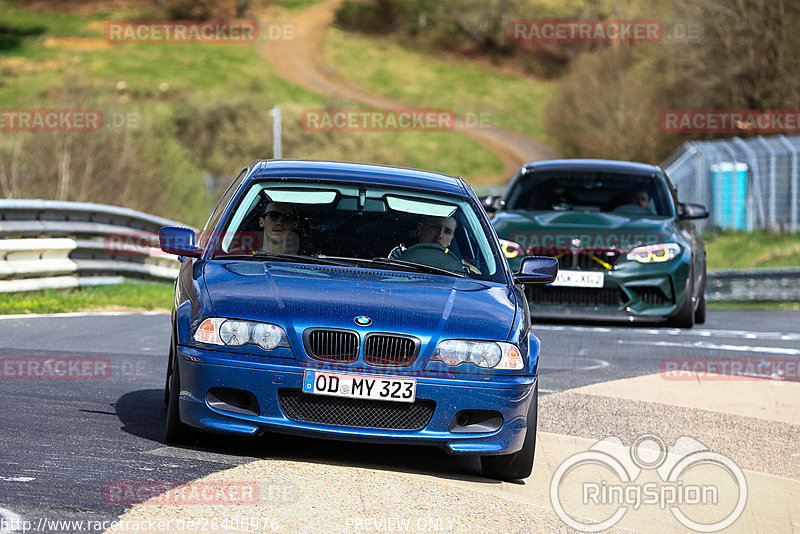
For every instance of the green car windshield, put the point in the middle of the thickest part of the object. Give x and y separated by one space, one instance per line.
362 225
626 194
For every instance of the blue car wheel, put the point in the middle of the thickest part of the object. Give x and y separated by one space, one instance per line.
175 431
517 465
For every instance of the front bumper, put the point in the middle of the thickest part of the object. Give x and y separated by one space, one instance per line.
631 292
202 370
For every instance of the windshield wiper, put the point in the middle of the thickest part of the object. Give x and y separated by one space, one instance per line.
418 267
273 256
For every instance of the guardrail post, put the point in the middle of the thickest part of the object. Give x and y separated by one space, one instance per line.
794 200
773 221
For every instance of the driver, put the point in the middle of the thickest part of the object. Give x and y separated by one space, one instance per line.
639 198
438 231
276 222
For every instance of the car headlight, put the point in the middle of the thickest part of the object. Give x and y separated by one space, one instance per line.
654 253
235 333
510 249
488 354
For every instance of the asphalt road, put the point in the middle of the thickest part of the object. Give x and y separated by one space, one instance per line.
65 441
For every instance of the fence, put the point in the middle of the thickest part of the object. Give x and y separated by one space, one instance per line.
53 244
747 184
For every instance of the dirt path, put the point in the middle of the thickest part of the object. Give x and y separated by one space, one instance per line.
301 62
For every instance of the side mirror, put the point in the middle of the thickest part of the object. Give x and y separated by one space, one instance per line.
178 241
536 270
490 203
692 210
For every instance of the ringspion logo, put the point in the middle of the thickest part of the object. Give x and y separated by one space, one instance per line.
703 490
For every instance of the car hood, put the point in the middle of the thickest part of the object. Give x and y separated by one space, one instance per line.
298 296
553 231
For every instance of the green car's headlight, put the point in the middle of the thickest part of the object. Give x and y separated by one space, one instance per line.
658 253
511 250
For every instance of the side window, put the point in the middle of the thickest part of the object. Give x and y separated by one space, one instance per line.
220 209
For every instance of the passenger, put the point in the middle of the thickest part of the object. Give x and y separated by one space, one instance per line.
277 221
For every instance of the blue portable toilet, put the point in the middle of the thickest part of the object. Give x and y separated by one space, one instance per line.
729 195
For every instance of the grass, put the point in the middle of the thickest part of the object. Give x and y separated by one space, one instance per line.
159 78
133 296
383 66
752 250
747 250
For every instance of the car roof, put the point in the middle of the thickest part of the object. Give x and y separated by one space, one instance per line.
368 173
592 165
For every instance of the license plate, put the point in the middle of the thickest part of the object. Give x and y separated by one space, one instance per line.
578 279
360 387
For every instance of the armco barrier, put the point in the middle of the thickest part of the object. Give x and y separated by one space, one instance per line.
55 244
754 285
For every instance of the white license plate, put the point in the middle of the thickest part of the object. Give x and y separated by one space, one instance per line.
578 279
360 387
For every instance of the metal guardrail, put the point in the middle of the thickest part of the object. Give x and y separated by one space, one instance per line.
54 244
780 285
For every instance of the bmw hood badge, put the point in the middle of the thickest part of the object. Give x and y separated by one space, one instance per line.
363 320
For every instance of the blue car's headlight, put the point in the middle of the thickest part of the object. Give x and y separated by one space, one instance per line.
235 333
654 253
489 354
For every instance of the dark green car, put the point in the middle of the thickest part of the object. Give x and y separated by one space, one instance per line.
623 241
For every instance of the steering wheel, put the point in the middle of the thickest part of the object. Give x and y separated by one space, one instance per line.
433 255
632 208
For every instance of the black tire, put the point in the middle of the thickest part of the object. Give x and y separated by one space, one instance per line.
685 316
517 465
175 431
169 375
700 313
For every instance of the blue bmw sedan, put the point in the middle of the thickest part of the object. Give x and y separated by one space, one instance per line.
355 302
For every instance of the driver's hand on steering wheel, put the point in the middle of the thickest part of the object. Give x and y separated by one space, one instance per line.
471 268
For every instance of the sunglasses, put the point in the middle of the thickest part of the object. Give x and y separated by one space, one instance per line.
276 216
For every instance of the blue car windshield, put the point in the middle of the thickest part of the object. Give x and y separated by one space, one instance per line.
626 194
372 226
